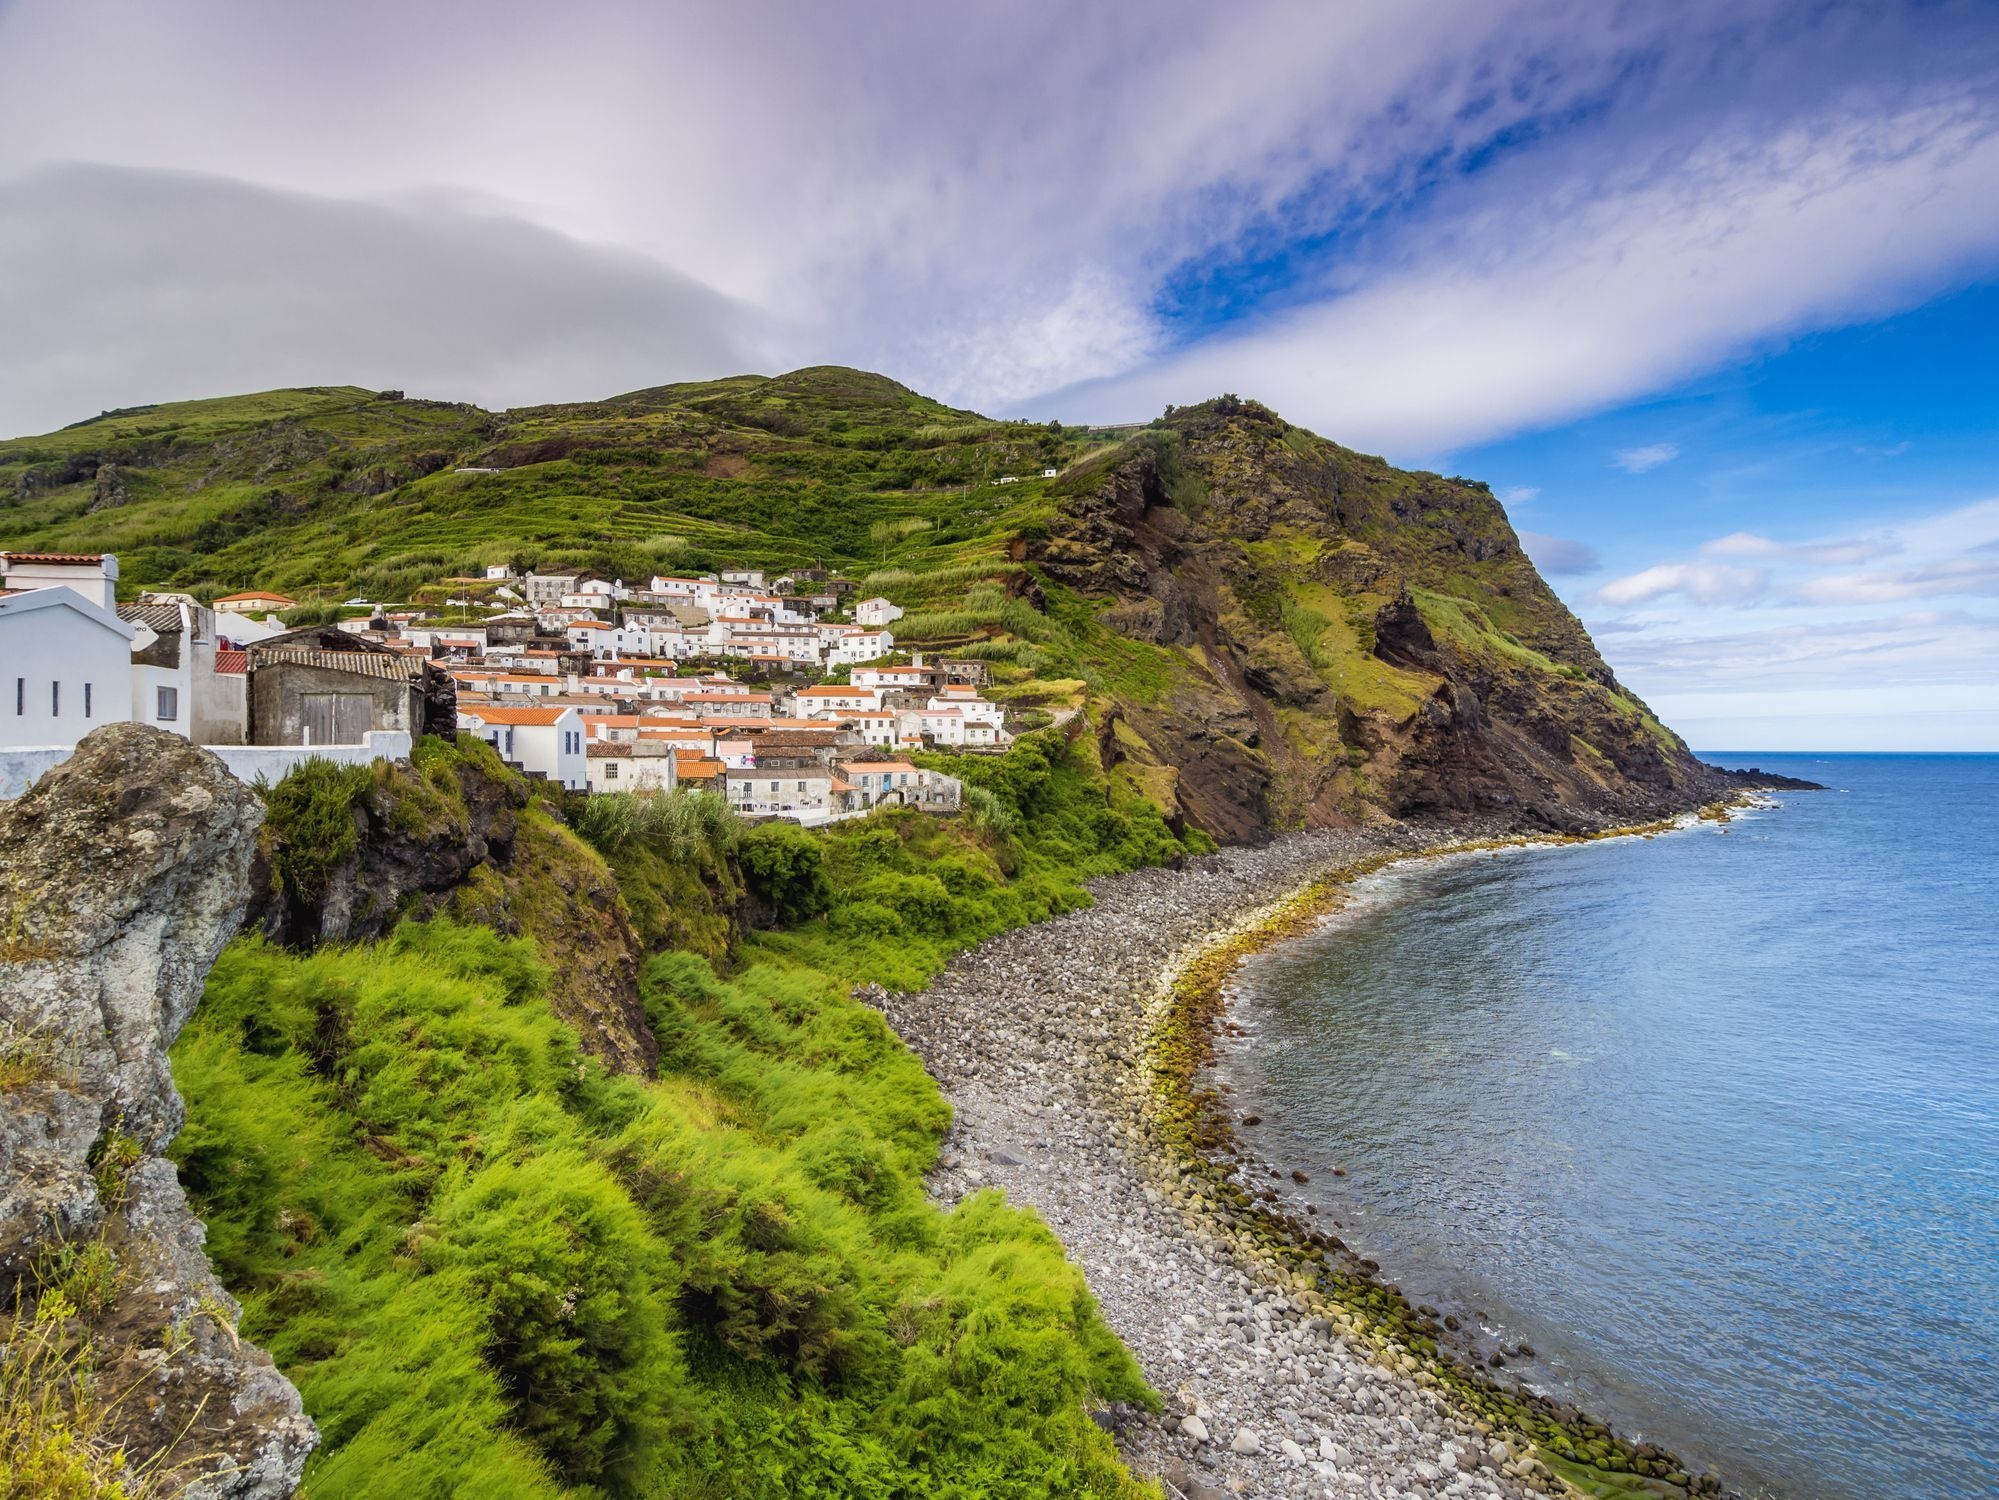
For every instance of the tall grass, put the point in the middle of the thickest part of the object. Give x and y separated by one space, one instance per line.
494 1270
683 824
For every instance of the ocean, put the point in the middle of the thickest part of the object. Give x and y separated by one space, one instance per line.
1711 1119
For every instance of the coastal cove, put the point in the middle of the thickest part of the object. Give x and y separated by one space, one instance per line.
1707 1120
1287 1369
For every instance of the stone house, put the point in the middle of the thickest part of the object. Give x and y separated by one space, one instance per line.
324 686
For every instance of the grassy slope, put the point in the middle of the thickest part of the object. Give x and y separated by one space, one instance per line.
330 492
341 491
494 1270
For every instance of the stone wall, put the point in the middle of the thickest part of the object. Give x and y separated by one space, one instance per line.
20 768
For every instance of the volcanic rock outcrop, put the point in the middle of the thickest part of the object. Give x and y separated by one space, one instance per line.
122 874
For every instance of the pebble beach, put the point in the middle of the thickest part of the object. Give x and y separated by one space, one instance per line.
1039 1039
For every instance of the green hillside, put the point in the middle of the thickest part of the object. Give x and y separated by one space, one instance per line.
1266 628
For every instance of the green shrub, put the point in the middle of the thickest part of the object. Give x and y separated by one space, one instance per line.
785 865
309 823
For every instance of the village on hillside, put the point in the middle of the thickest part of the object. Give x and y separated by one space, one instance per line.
782 694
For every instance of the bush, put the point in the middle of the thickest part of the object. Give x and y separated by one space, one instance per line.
309 823
786 867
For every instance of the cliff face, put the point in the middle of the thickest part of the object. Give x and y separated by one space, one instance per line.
458 833
1359 641
126 870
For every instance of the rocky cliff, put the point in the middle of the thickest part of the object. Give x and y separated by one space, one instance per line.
347 854
126 869
1357 640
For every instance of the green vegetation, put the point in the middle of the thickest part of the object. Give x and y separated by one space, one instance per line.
330 492
494 1269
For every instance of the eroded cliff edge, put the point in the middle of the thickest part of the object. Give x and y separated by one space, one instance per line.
123 872
1358 641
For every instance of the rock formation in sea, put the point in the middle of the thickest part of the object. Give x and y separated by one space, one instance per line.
122 874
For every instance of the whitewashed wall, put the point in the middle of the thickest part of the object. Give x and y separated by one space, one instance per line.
21 767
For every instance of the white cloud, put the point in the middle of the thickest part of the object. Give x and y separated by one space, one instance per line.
1643 460
1518 495
990 200
1818 654
128 287
1545 301
1704 583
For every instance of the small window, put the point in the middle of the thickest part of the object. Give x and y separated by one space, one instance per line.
20 695
86 700
610 770
169 705
55 698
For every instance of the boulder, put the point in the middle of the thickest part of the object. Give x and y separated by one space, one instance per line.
126 869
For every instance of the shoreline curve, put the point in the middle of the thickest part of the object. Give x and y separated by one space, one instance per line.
1071 1051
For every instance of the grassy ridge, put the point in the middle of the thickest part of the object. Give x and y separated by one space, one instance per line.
495 1270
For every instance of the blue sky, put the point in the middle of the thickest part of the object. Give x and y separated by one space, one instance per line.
1706 290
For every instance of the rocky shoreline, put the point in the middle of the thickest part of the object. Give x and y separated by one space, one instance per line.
1044 1040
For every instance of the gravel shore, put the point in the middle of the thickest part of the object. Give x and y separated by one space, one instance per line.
1038 1039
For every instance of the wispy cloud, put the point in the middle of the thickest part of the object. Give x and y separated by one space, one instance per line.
1847 550
1519 495
1489 214
1704 583
1560 555
1939 580
1644 460
1570 295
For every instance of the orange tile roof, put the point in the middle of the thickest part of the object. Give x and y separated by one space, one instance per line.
877 765
246 595
80 558
493 713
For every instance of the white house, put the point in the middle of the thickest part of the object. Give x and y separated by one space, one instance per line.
65 658
832 701
176 685
547 588
632 766
858 644
604 640
894 679
876 611
801 792
968 703
543 741
251 602
883 729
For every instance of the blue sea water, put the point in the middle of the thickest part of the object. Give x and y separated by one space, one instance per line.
1710 1119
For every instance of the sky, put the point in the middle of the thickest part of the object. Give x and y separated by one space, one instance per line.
1708 292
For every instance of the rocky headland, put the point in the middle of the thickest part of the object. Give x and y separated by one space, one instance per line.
126 870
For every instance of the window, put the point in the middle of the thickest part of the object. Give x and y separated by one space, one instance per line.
610 770
55 698
801 786
20 695
86 700
169 705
